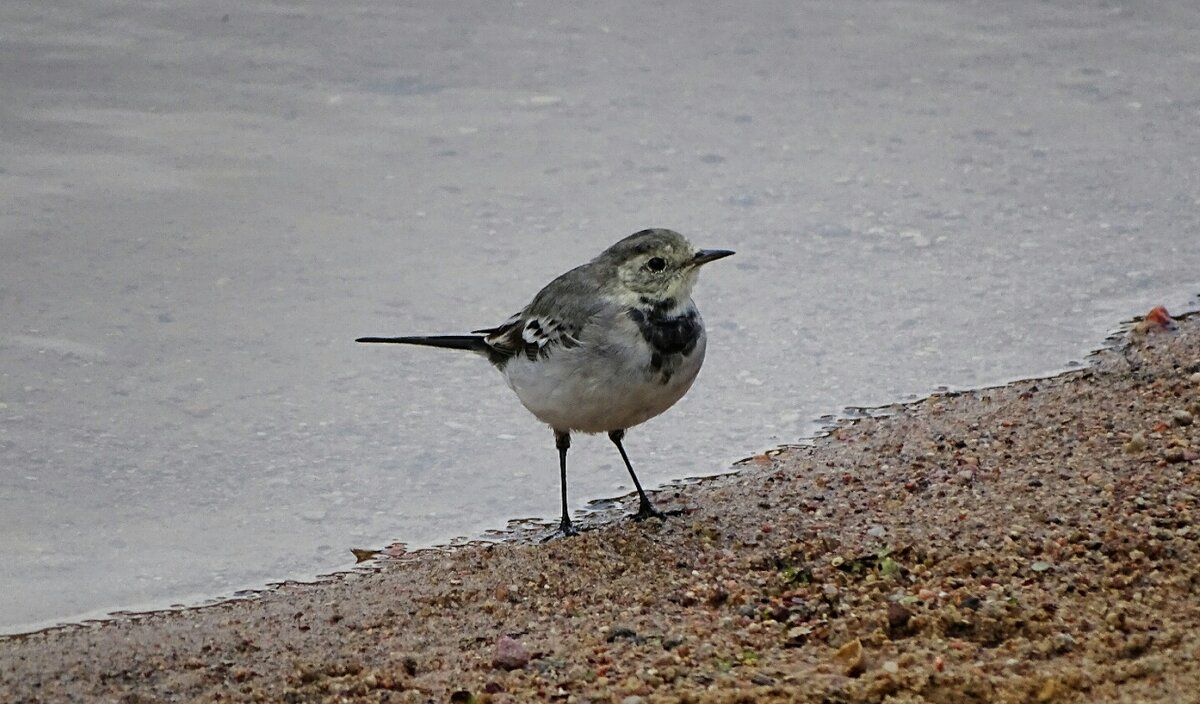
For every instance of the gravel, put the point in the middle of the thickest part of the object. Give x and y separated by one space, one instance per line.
1036 542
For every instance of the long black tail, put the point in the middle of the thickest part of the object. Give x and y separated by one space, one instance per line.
471 343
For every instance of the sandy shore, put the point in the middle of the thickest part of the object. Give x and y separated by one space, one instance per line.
1031 543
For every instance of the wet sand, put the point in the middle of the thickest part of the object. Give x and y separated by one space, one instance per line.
1031 543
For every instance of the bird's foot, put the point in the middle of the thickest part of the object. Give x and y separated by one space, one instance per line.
647 510
565 529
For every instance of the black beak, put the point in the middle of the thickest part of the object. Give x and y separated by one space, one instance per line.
705 256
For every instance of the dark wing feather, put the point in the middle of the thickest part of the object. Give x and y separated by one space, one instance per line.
554 319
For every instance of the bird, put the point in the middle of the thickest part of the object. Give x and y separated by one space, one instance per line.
602 348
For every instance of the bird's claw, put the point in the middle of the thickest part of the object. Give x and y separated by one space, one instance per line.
646 511
566 529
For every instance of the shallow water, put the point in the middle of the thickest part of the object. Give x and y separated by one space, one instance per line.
200 211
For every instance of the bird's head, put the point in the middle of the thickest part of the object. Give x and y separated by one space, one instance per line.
658 264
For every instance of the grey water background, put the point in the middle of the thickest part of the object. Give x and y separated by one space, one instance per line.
202 204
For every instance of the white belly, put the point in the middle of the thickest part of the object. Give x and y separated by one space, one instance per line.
596 388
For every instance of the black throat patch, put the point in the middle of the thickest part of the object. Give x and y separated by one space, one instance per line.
669 337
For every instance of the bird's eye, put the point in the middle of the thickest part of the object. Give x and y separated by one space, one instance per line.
656 264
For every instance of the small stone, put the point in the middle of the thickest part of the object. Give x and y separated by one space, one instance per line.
1174 455
622 632
633 699
1064 642
890 666
1157 320
1137 443
898 617
1181 417
797 636
510 654
850 658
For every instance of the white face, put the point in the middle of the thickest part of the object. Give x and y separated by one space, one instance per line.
665 271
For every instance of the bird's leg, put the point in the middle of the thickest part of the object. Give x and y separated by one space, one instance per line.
645 508
562 440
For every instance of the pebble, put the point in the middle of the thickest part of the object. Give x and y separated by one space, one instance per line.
1065 641
898 617
797 636
618 632
1137 443
1181 417
850 657
510 654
